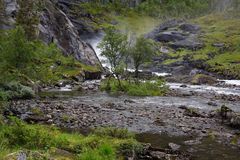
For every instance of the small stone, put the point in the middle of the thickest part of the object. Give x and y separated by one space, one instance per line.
174 146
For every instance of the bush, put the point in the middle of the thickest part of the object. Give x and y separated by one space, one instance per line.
20 134
100 145
146 88
14 90
173 8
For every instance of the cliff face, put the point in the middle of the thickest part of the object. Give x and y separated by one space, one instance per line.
55 26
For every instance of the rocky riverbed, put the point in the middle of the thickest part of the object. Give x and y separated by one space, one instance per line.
189 112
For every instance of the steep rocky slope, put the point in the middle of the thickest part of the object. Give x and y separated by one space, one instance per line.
206 44
55 26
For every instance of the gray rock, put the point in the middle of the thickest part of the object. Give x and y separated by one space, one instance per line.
55 27
170 37
191 44
195 72
190 28
218 45
212 104
235 120
177 34
159 155
174 146
22 156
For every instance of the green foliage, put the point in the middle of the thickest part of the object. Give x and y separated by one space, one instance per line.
113 47
147 88
142 52
173 8
15 90
104 152
29 61
16 51
18 135
28 17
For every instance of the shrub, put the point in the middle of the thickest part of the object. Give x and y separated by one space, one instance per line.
144 88
18 135
14 90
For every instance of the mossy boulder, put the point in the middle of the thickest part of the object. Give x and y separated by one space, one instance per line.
203 79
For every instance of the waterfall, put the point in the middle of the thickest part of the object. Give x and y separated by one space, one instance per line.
94 42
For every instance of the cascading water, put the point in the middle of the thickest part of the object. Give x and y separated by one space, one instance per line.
94 42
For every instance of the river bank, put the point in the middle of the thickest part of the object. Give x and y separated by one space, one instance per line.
188 111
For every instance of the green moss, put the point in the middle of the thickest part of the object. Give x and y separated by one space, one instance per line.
171 61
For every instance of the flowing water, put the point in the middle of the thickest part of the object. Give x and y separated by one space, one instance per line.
209 148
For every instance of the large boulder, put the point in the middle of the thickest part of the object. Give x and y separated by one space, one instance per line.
235 120
203 79
190 27
177 34
170 37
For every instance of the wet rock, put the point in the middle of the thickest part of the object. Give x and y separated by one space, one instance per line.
183 86
235 120
174 146
203 79
128 101
210 103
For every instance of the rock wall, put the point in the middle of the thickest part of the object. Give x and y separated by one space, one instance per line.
55 26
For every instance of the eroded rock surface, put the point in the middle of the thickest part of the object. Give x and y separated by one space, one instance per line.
56 27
